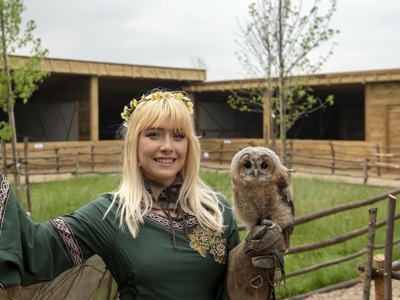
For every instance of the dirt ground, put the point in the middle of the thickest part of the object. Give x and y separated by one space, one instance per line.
374 181
355 293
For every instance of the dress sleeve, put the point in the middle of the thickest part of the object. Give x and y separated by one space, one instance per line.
32 253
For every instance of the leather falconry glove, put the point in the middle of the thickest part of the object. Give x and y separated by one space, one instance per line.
252 264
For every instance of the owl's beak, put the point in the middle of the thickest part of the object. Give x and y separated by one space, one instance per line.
255 173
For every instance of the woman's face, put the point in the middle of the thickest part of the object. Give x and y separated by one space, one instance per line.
162 153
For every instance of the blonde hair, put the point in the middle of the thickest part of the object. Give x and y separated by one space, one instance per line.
195 198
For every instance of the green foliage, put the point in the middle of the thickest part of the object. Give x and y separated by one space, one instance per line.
5 130
247 100
18 78
300 102
278 40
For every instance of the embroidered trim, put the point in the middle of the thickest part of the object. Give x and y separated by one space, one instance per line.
67 235
204 239
4 194
191 221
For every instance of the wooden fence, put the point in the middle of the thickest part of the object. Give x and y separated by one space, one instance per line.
37 159
341 239
357 159
345 158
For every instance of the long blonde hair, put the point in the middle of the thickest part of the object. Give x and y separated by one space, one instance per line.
195 198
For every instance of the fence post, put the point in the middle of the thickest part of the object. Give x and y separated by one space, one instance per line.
92 158
378 160
379 262
77 163
290 154
57 160
370 252
387 271
221 147
333 157
26 163
366 161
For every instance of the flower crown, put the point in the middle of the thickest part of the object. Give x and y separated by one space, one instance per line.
155 96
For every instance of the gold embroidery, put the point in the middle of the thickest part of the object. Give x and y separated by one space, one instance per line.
204 239
218 249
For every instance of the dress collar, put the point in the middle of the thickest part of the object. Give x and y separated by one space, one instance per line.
164 197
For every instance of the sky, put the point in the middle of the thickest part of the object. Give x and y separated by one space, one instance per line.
173 33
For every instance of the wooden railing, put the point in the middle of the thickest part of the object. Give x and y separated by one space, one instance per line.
346 158
65 158
340 239
389 221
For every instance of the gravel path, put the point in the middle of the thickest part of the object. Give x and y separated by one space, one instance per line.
355 293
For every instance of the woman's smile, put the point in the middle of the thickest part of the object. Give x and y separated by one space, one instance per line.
162 153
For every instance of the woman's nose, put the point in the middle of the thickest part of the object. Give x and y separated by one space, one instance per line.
167 144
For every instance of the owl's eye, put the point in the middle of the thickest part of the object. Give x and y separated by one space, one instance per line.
264 165
247 164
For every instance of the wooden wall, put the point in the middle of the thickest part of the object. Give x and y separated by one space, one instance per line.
382 112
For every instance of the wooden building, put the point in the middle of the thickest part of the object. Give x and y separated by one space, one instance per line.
82 100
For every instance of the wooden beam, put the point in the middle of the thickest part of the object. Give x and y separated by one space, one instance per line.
94 108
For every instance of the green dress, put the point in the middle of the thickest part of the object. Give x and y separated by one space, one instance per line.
147 267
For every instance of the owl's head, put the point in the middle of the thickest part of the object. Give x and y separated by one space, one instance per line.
256 164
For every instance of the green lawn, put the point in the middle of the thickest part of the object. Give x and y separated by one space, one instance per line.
52 199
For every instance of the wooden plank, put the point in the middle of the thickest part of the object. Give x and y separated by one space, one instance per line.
94 108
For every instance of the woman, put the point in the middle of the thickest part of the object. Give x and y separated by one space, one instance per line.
163 234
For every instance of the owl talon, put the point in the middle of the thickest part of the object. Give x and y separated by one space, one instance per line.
267 222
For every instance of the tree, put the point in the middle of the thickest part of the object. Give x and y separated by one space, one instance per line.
278 41
18 77
199 62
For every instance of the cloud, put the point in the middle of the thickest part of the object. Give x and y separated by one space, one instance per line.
170 33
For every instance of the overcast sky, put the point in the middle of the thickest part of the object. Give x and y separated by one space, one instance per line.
171 33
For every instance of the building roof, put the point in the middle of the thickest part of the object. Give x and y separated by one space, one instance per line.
358 77
79 67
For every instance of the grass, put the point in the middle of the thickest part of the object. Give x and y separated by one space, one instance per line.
55 198
52 199
314 195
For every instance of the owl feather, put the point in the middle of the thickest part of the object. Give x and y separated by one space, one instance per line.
261 190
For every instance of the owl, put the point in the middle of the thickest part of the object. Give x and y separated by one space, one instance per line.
261 190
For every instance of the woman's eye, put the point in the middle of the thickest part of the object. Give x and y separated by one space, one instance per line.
179 136
152 135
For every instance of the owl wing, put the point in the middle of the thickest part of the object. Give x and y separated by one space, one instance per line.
289 229
287 198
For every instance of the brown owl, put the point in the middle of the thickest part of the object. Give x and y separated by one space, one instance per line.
261 190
